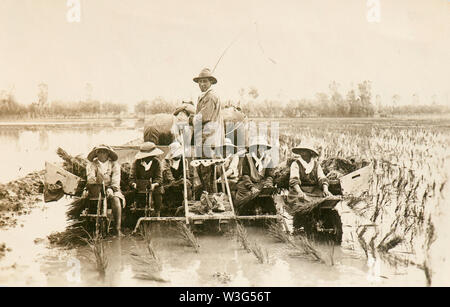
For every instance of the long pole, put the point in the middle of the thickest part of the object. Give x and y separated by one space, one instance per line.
183 158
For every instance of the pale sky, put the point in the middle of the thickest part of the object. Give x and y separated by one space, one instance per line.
140 49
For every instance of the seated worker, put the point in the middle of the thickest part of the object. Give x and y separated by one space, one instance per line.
173 177
104 168
306 175
256 173
232 156
148 166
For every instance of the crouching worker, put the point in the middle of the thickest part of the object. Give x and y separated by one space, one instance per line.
103 167
147 168
256 171
306 178
173 178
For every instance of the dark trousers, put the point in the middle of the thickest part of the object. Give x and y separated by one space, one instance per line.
141 198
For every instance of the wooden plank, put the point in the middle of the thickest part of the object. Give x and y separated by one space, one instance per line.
54 173
126 153
356 182
211 217
258 217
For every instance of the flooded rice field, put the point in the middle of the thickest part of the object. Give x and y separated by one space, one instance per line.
221 260
28 258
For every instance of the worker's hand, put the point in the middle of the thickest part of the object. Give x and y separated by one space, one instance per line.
305 197
109 192
155 185
268 185
326 193
254 190
133 186
85 194
301 195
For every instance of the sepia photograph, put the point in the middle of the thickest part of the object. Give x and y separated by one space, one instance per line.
232 146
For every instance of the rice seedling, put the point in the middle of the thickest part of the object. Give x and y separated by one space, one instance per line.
242 237
301 245
147 266
276 231
96 245
331 248
309 249
188 236
260 253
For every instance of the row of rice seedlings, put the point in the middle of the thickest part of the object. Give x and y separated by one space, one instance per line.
406 177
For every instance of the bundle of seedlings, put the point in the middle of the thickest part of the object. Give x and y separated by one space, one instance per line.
75 165
77 231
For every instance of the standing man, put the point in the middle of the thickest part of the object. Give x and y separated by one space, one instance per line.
208 126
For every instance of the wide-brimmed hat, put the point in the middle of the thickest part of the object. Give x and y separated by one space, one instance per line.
93 154
305 146
175 150
205 73
227 143
260 140
148 149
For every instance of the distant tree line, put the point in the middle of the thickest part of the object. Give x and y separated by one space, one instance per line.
155 106
357 102
10 108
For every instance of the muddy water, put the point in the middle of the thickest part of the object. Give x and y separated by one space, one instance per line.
32 261
24 149
221 261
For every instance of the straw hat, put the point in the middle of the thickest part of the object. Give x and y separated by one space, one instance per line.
228 144
93 154
175 150
205 73
260 140
305 146
148 149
